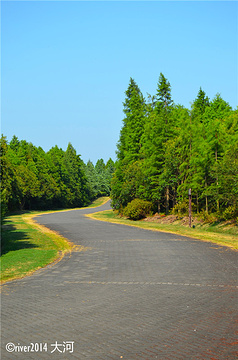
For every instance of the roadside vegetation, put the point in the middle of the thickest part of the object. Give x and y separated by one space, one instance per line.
100 201
32 179
165 149
166 152
221 233
28 246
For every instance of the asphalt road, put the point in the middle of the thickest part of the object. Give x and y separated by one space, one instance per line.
131 294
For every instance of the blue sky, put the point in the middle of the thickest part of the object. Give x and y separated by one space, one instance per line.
66 64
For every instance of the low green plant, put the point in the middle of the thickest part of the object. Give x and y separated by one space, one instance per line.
181 208
207 217
137 209
230 213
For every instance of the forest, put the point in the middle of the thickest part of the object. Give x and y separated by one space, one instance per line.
164 149
34 179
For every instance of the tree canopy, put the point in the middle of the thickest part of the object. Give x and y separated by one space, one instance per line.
34 179
163 150
175 149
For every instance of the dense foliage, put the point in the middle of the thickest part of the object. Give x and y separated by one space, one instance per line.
137 209
99 177
34 179
164 149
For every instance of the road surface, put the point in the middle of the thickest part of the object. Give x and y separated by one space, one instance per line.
131 294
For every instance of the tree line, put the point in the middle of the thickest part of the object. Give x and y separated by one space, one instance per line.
164 149
34 179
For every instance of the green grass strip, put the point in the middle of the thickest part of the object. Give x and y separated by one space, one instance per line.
28 246
100 201
201 233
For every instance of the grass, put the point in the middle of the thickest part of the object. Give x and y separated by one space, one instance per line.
28 246
100 201
213 233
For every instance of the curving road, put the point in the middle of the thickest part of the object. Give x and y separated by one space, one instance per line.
132 294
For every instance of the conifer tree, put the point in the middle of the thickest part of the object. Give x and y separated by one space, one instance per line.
129 143
75 178
200 104
7 175
133 124
164 100
158 130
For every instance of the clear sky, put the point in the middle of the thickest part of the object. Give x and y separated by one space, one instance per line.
66 64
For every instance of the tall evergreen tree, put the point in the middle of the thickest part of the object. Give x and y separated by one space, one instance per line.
164 100
158 130
7 176
133 124
129 143
75 178
200 104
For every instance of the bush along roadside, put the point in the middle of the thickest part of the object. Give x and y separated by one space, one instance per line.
137 209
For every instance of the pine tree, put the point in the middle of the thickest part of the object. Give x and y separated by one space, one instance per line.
159 129
7 176
133 124
200 104
104 186
75 178
197 177
129 143
164 100
92 180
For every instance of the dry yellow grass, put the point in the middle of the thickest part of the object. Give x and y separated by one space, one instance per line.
219 238
28 246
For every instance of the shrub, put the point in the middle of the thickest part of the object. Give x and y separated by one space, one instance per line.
137 209
230 213
206 217
181 208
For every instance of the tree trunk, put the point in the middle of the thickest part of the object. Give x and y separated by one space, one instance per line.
158 207
206 196
167 200
22 204
218 205
174 197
